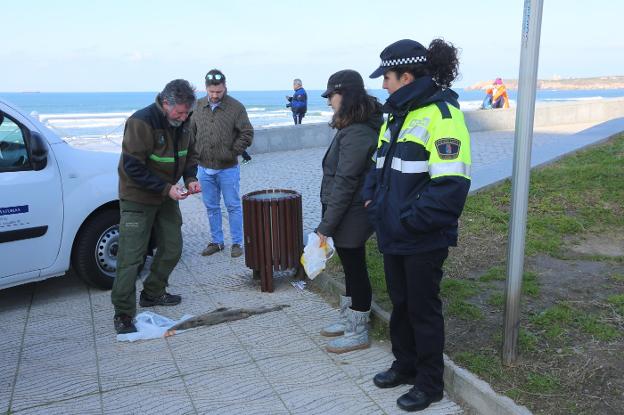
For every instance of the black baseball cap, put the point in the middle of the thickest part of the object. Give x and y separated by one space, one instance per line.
347 78
400 53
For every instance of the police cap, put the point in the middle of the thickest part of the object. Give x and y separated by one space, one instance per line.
400 53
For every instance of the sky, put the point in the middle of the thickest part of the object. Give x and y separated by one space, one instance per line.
140 45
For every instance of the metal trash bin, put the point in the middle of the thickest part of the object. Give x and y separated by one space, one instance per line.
273 230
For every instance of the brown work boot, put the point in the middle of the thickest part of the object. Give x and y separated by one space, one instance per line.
236 251
212 248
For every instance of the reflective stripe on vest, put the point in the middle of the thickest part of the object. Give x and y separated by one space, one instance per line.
167 159
405 166
420 133
453 168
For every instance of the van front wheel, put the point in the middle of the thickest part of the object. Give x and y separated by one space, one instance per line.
95 252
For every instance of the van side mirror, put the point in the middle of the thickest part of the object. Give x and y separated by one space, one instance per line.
37 151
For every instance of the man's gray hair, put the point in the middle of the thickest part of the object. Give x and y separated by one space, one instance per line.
179 92
297 81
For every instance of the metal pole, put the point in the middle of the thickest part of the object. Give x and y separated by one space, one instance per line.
527 79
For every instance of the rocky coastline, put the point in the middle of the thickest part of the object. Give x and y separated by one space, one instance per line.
602 82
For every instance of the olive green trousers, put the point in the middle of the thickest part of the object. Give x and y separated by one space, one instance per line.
136 224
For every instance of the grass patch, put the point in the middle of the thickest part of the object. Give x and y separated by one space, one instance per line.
541 383
618 302
456 292
527 341
497 300
498 273
464 310
529 284
561 318
617 277
485 365
590 324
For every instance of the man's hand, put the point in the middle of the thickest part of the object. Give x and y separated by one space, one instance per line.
367 203
177 192
194 187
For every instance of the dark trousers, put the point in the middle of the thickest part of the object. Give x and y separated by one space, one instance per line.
298 116
416 323
356 277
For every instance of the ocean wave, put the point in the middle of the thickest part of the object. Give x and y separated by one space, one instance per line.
86 123
574 99
86 115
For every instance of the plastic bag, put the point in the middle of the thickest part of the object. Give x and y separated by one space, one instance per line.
315 256
150 326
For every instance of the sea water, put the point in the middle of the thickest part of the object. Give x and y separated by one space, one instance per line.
104 113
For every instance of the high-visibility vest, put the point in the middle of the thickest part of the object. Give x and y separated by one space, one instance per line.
432 141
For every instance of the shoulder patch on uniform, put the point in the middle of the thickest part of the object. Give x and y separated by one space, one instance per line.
448 148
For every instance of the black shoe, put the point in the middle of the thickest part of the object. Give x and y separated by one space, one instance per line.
165 299
391 378
123 324
417 400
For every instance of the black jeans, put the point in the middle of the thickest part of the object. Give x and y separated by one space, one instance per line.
356 277
417 323
298 116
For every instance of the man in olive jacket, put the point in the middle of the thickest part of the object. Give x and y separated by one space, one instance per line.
157 150
222 131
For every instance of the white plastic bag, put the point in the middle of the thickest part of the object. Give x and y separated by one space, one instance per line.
150 326
315 256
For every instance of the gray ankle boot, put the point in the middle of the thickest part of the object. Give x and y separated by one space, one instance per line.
355 336
337 328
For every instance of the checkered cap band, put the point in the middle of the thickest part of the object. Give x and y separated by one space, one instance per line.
403 61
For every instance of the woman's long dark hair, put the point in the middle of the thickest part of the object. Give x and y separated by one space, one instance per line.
356 107
442 64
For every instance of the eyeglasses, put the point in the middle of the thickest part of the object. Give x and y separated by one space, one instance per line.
216 77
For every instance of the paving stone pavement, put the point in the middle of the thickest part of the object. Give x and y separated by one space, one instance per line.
59 354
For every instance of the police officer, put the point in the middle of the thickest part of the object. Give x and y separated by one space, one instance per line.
414 197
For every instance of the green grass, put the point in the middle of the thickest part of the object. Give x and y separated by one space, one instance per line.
541 383
591 324
527 341
486 365
498 273
457 292
618 302
560 319
617 277
530 286
497 300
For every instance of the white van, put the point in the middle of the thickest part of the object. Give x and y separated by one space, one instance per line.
58 205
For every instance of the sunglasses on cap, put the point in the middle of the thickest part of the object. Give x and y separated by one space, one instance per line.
215 77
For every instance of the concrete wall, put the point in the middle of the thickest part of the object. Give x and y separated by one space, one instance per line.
292 137
295 137
547 114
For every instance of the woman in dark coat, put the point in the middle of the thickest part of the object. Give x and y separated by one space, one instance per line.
357 117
